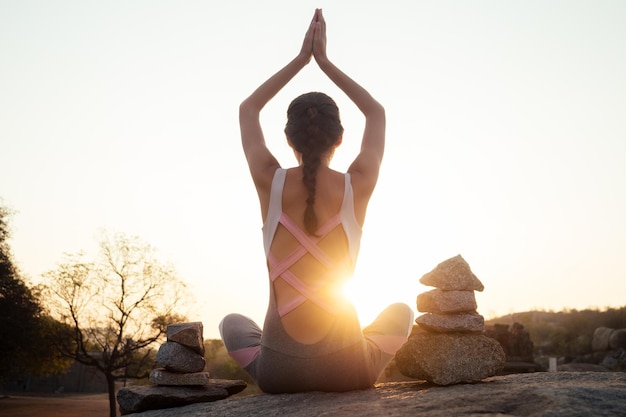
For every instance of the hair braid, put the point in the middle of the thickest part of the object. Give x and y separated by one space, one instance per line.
309 178
313 128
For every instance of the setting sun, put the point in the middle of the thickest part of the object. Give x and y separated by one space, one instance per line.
370 297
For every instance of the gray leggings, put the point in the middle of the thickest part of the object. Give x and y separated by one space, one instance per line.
356 366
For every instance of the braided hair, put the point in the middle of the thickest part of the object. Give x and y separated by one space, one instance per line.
313 128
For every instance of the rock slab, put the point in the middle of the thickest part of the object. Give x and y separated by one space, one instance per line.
539 394
465 323
139 398
446 302
164 377
467 357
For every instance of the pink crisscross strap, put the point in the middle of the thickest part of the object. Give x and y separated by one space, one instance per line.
308 244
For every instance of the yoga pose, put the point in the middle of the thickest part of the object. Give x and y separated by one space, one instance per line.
312 218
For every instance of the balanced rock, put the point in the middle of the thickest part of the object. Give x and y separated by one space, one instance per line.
446 302
450 358
137 398
178 358
453 274
464 323
165 377
187 334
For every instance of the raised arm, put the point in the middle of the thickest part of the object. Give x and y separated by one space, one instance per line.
367 163
260 160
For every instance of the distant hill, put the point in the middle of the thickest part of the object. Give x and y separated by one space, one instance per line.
564 333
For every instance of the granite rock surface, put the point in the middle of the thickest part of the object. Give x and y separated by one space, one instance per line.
541 394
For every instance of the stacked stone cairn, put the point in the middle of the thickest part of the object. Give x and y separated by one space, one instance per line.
181 379
447 346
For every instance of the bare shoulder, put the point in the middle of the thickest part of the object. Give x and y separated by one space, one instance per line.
263 184
364 173
362 189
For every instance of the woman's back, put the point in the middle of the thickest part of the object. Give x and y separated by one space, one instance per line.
324 275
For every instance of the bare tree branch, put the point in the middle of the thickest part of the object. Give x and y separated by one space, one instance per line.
117 307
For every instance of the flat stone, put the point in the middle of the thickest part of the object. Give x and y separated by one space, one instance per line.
165 377
450 323
445 302
187 334
137 398
453 274
450 358
178 358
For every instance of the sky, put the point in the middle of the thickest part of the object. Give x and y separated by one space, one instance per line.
506 141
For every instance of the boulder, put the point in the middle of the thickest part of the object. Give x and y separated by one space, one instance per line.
445 302
600 340
450 358
468 323
178 358
187 334
136 398
617 339
453 274
165 377
615 360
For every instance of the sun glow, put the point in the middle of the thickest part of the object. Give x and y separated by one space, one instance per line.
358 296
368 298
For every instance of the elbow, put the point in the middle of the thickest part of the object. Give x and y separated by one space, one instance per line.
244 108
375 111
379 109
373 108
247 108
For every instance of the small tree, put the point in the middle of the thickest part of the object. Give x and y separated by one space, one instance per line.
117 306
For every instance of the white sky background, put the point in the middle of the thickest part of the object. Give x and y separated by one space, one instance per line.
506 140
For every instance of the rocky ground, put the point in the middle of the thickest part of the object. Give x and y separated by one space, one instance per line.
540 394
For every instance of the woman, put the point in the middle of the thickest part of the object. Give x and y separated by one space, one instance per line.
312 340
